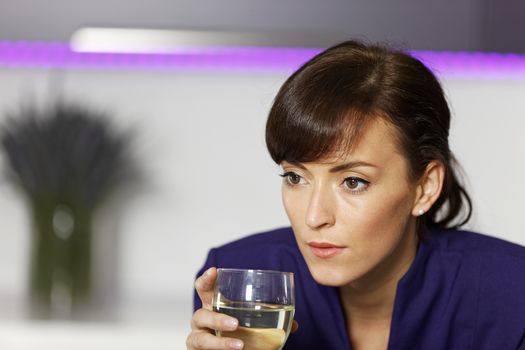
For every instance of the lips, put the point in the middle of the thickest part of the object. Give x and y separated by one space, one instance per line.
324 250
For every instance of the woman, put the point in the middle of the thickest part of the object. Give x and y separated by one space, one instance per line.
370 188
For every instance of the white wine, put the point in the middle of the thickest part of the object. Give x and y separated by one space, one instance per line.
261 326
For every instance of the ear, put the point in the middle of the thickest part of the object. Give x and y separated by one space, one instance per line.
429 187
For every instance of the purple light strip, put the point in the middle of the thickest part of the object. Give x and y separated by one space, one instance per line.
59 55
264 59
474 64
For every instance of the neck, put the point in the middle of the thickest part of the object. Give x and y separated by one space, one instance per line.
371 298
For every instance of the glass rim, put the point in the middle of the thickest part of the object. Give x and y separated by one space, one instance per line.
254 270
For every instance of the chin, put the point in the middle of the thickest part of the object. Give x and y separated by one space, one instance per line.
328 276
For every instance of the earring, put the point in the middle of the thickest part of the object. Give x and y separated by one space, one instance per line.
420 212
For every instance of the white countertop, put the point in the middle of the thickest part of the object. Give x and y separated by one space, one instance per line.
144 325
59 335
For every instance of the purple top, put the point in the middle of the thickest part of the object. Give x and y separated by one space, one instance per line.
463 291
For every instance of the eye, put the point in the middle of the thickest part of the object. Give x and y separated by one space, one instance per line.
355 184
291 178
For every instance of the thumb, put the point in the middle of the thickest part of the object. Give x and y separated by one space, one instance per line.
204 286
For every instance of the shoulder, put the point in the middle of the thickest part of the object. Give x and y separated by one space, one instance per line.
498 261
483 284
495 271
473 243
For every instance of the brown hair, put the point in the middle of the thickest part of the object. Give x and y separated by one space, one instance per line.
322 108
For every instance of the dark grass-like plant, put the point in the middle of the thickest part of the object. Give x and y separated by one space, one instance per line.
66 159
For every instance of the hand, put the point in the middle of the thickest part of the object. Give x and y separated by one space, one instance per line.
204 321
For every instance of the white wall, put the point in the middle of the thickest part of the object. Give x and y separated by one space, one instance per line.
201 143
487 137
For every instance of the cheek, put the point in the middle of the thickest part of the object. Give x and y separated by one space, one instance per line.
380 220
386 207
292 203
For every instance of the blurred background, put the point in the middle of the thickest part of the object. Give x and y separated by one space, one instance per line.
182 89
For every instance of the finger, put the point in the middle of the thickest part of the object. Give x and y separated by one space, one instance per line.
295 326
206 319
203 340
204 286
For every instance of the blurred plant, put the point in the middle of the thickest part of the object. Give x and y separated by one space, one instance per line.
66 159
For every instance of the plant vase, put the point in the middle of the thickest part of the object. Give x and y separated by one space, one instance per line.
60 277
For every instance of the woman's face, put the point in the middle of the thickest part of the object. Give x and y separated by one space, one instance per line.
351 215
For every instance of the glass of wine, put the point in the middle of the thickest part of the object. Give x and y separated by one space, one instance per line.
263 301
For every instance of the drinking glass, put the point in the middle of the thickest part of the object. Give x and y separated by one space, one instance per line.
263 301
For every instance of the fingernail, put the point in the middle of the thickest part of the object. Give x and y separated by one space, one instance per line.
208 272
236 344
231 323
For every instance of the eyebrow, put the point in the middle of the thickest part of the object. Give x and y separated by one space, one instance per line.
340 167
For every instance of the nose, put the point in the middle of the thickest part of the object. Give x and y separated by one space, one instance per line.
320 211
